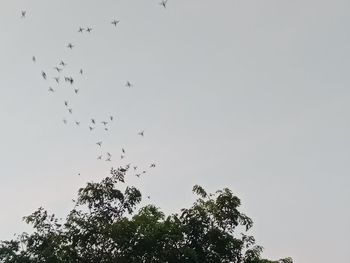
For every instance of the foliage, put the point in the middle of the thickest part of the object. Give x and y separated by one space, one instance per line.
105 226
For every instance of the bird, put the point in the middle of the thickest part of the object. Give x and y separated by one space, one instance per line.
91 128
66 103
89 29
69 79
62 63
58 69
129 84
57 79
76 91
93 121
121 156
164 3
111 118
80 30
99 143
115 22
123 150
34 59
109 155
70 111
70 45
108 159
64 121
141 133
149 197
135 168
106 129
137 175
153 165
77 123
23 13
104 123
81 72
43 74
99 157
51 89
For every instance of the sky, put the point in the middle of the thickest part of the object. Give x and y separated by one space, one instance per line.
251 95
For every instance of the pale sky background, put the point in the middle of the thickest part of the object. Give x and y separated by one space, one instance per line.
247 94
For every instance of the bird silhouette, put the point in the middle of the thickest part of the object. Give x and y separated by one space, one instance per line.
111 118
34 59
70 46
77 123
76 91
164 3
115 22
51 89
129 84
58 69
43 74
153 165
141 133
99 143
99 157
70 111
23 14
57 79
80 30
66 103
62 63
89 29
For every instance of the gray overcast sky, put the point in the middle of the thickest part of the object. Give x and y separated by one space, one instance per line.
247 94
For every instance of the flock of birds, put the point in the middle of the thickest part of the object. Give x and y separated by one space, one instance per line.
59 69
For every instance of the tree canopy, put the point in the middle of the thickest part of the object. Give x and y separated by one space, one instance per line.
107 225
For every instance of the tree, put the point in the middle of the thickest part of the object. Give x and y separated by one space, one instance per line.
105 226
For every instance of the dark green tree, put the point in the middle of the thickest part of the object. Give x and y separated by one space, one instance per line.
106 226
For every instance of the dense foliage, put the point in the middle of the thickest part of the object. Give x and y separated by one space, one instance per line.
106 226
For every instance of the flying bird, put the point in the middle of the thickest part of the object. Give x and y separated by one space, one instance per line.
51 89
66 103
123 150
104 123
70 45
108 159
43 74
62 63
57 79
111 118
91 128
115 22
164 3
99 158
64 121
76 91
153 165
141 133
70 111
23 14
89 29
80 30
34 59
99 143
129 84
93 121
77 123
81 72
58 69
